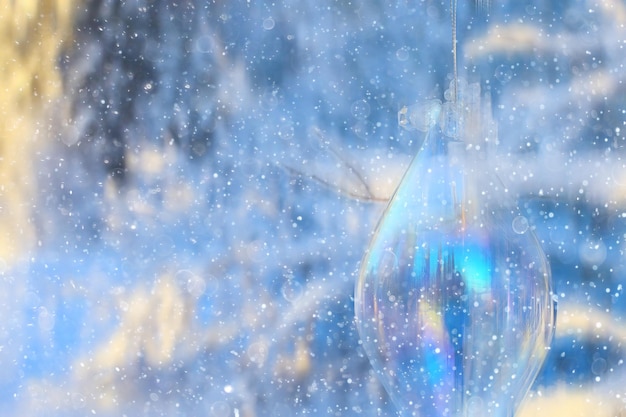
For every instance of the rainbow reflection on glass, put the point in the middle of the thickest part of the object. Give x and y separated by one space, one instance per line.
453 301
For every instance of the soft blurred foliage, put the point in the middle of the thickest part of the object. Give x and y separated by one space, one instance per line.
31 37
178 228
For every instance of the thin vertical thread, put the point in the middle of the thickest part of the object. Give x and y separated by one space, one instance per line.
453 5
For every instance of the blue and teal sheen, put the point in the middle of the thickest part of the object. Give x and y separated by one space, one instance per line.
453 305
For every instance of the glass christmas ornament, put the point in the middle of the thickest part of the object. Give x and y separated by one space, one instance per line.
453 301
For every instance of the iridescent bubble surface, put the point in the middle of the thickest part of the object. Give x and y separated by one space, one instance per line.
453 303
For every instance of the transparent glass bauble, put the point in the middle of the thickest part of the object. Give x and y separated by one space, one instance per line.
453 301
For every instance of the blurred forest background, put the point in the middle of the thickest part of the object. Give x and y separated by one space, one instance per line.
187 188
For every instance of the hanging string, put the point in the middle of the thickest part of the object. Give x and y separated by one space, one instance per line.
453 5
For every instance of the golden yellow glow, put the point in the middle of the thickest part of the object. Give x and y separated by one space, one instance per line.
32 33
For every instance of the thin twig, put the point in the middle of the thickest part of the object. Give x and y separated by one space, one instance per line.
367 195
354 195
345 163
